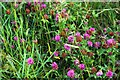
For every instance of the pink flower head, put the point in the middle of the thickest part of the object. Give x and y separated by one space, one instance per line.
99 73
71 73
16 5
57 38
57 17
104 29
29 3
70 38
43 5
12 46
54 66
77 34
35 2
97 44
22 40
64 10
66 29
67 47
111 42
40 2
86 36
56 53
81 66
15 38
76 62
92 29
30 61
109 74
90 43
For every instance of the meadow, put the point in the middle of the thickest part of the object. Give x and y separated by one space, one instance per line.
54 40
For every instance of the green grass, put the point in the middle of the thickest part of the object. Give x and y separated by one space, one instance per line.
33 26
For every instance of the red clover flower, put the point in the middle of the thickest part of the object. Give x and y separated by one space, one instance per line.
54 66
109 74
71 73
67 47
15 38
90 43
81 66
57 38
99 73
30 61
70 38
56 53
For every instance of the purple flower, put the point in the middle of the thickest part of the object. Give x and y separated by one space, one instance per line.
71 73
57 38
12 46
77 34
22 40
54 66
15 38
111 42
29 3
92 29
70 38
109 74
67 47
104 29
35 2
99 73
64 10
97 44
56 53
40 2
86 35
81 66
57 17
30 61
90 43
76 62
43 5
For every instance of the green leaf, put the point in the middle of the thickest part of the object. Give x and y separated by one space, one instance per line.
27 31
